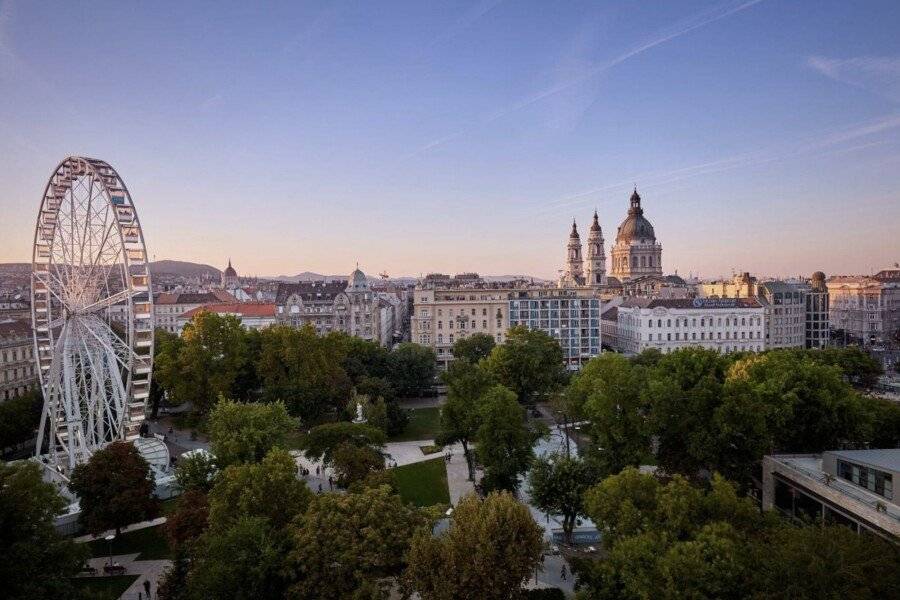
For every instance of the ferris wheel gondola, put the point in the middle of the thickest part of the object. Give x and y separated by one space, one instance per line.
92 313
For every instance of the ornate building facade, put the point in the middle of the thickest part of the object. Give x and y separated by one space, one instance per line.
636 252
574 273
596 255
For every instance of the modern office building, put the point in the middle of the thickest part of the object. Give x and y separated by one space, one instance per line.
571 319
785 306
818 326
850 487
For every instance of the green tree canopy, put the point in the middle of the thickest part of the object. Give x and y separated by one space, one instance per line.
611 391
460 415
240 432
489 551
19 418
473 348
347 542
188 521
35 562
206 362
354 463
196 472
857 366
114 488
529 362
269 489
242 562
504 439
557 485
412 369
300 368
323 440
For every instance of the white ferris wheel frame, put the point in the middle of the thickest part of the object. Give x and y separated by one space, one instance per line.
95 381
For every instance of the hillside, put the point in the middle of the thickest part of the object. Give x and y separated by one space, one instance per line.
183 269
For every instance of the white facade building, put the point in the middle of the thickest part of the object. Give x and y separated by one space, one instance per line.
726 324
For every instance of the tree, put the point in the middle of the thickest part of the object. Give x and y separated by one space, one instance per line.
196 472
35 561
473 348
557 485
812 562
857 366
682 391
504 439
466 384
412 368
489 551
205 362
269 490
243 561
529 362
19 418
246 432
302 369
115 488
354 463
188 521
345 543
611 393
670 541
323 440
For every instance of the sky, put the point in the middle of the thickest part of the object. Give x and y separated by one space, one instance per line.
416 137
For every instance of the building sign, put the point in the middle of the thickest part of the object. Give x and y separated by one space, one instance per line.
717 303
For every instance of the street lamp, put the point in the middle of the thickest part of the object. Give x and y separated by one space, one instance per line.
109 539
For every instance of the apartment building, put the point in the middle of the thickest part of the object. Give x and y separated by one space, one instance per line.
18 373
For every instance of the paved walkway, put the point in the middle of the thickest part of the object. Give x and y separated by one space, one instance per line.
133 527
148 570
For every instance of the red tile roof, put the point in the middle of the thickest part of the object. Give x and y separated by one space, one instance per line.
245 309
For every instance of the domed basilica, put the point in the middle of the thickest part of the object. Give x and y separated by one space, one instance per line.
636 252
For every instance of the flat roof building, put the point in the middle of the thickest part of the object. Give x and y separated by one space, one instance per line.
849 487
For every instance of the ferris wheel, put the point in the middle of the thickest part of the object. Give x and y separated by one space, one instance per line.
92 312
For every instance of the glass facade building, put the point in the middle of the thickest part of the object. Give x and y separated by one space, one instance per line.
573 321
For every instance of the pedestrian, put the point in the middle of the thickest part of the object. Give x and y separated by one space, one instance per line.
317 470
330 483
320 488
563 573
147 588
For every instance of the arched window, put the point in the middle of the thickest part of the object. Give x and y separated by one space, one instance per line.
634 262
649 261
643 261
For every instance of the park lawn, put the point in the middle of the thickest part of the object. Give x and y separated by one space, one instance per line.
424 424
423 483
149 542
103 588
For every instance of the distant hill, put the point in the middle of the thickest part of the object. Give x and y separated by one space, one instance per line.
183 269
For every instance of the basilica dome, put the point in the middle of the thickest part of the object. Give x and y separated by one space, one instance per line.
635 227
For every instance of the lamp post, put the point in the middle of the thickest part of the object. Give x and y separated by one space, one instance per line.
109 540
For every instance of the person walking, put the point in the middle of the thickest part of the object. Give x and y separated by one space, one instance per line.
147 588
563 573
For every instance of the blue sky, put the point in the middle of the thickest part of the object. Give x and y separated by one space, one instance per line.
455 136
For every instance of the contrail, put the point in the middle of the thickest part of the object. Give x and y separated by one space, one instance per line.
697 21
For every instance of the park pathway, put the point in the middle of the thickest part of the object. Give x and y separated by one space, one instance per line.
148 570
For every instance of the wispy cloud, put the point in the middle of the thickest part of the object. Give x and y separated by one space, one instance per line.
838 141
681 28
877 74
474 14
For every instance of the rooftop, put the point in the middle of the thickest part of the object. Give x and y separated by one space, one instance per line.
887 459
244 309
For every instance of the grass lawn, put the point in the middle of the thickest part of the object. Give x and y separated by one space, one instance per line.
423 483
149 542
103 588
424 424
